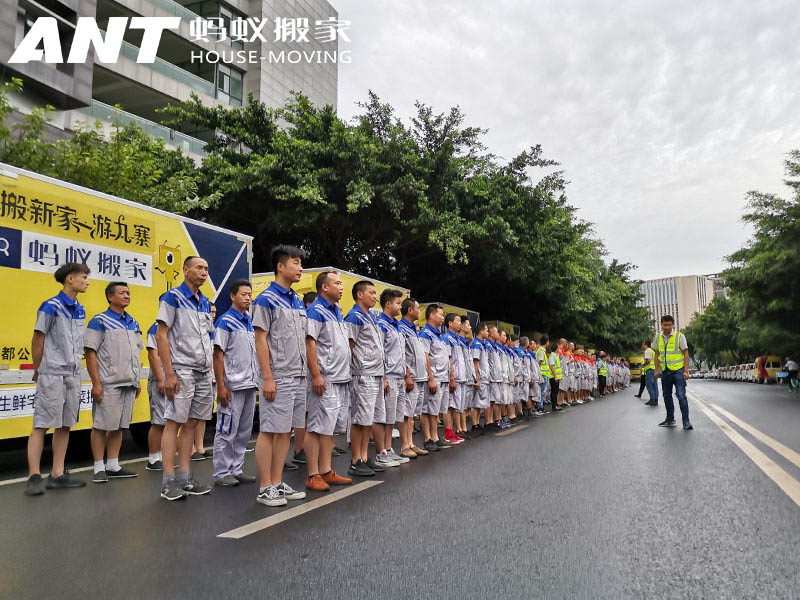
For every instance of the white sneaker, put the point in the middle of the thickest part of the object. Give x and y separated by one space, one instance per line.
271 497
396 457
384 460
288 492
578 401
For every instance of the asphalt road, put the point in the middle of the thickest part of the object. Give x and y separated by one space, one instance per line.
594 502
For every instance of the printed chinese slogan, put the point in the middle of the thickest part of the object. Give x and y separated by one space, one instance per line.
34 249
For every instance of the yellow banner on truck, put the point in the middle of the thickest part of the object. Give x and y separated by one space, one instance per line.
308 283
45 223
473 316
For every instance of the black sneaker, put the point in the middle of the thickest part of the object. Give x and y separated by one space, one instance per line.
688 426
338 451
155 466
667 423
195 488
100 477
371 464
242 478
557 408
290 466
443 444
65 481
466 435
35 485
199 456
121 474
300 457
360 469
475 429
430 446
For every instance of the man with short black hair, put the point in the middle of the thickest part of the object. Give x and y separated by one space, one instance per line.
308 298
56 350
648 374
395 369
496 378
238 377
465 340
156 393
672 366
279 320
112 344
367 383
480 365
184 347
415 378
437 358
454 399
328 352
544 371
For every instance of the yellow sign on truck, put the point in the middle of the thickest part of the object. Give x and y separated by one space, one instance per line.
473 316
45 223
308 283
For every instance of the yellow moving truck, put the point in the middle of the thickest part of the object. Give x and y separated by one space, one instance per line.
308 283
45 223
507 327
473 316
635 361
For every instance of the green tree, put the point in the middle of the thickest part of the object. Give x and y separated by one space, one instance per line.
763 275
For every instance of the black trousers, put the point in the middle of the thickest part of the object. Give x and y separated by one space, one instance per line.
601 384
642 384
553 391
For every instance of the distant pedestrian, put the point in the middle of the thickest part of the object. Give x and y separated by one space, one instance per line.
648 373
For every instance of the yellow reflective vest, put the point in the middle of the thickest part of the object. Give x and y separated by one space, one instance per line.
671 357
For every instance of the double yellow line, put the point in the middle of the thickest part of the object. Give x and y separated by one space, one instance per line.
789 484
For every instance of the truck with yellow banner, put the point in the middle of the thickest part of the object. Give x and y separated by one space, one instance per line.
44 223
308 283
473 316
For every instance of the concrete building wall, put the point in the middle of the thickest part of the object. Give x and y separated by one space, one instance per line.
683 297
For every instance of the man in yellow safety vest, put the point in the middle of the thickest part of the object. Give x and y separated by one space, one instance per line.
672 366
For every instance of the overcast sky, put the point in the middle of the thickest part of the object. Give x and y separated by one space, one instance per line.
662 114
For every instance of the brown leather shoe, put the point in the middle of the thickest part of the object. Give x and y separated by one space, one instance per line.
419 451
332 478
408 453
316 483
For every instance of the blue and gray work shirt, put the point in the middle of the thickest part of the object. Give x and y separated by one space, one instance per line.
327 328
61 319
368 356
480 352
438 351
235 336
393 346
116 338
280 312
415 351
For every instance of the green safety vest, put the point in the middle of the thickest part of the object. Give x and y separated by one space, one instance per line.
671 357
603 370
650 366
545 368
557 366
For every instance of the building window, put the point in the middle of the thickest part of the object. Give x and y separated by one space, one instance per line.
229 85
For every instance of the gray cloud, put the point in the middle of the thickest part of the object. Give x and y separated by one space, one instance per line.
663 115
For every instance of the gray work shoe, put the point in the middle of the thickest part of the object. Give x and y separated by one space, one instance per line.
172 490
100 477
35 485
227 481
242 478
121 474
195 488
65 481
396 457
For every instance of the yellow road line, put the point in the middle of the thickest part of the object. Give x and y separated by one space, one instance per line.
261 524
782 479
781 449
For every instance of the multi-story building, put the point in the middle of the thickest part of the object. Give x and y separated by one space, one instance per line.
90 91
682 297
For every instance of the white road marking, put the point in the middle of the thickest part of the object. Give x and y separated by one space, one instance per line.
782 479
78 470
786 452
261 524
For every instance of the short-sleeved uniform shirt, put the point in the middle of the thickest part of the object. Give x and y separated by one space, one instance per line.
151 343
326 326
189 321
393 346
480 352
367 356
282 315
415 352
438 351
61 319
456 357
117 340
466 351
235 336
495 361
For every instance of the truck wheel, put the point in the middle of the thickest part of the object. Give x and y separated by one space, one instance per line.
139 433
